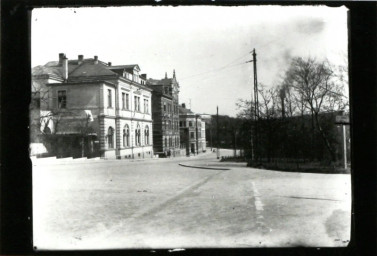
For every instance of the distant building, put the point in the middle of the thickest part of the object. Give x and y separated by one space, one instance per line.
206 128
92 108
165 114
192 131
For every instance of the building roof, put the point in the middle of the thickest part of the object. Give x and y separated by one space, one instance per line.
87 68
163 81
185 111
131 66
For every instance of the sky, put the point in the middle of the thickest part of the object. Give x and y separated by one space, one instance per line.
207 46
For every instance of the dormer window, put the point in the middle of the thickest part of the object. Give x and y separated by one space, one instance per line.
136 78
126 75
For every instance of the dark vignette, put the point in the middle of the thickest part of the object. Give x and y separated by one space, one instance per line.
16 189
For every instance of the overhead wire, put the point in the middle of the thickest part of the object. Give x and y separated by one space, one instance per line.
230 64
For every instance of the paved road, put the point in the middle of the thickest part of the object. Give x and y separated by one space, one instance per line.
160 204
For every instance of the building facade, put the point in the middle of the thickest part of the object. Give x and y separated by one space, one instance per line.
165 114
96 109
192 131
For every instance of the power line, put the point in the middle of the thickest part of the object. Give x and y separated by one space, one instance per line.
214 70
230 64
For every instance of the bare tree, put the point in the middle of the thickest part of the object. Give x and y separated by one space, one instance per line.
317 89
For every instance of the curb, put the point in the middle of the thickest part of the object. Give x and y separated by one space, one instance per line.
203 167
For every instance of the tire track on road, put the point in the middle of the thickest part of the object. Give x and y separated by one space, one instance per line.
158 207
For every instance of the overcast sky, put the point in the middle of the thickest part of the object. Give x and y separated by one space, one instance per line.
207 45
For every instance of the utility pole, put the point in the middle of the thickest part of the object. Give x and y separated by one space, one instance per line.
217 133
255 110
196 135
256 104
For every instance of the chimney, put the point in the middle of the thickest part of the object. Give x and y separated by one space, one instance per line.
95 59
80 59
173 73
65 68
183 105
109 64
166 75
61 56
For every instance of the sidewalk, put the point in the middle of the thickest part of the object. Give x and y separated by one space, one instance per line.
70 160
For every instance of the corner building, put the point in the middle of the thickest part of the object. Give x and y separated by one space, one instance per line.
165 114
192 131
97 109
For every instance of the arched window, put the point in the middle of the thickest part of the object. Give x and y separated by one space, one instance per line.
137 135
110 137
126 136
146 135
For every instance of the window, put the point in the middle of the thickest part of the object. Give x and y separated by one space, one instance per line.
137 103
164 107
146 135
109 98
180 123
190 123
110 137
123 100
192 135
166 90
127 75
169 124
146 106
126 136
127 101
135 77
137 136
62 99
166 142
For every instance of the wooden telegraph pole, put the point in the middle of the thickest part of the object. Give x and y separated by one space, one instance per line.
255 110
217 133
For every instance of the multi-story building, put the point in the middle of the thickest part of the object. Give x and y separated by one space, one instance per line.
192 131
165 114
95 109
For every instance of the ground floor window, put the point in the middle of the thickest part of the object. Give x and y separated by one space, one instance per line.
126 136
146 135
137 135
110 137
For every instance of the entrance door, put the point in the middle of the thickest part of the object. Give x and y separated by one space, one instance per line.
193 148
